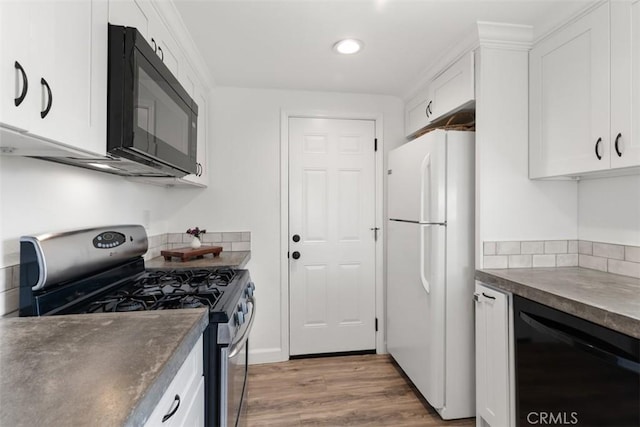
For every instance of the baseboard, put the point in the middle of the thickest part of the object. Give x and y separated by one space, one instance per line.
267 355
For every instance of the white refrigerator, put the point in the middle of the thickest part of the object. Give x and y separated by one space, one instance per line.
430 270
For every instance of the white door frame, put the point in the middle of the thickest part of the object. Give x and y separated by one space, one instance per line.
284 218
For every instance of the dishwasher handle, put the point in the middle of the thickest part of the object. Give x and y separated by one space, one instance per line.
590 347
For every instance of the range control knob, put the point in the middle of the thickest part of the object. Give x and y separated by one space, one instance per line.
239 318
242 306
250 288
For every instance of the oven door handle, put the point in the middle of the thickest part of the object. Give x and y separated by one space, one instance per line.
580 343
237 345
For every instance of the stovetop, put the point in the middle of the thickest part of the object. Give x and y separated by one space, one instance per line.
162 290
219 290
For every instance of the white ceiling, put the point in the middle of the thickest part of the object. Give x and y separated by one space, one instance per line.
287 44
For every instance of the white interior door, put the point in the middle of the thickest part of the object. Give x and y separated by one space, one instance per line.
332 210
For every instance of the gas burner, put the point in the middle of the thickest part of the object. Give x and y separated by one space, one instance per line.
130 305
223 276
191 302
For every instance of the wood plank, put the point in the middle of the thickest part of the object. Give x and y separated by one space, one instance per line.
185 254
367 390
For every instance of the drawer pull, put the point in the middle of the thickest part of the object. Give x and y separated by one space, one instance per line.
174 410
488 296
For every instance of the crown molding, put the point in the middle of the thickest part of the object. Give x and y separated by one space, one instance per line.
505 36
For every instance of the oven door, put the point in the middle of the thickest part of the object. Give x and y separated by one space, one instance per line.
234 370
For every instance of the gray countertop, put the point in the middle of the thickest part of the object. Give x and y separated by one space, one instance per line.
235 259
607 299
92 369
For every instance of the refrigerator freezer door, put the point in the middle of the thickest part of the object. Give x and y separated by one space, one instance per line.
417 179
415 318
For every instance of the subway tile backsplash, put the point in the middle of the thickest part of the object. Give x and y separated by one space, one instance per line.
230 241
616 259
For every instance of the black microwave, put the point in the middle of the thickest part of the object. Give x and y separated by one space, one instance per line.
151 119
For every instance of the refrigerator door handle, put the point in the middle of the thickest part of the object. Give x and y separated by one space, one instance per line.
423 278
426 165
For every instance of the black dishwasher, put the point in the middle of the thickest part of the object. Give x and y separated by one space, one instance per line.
570 371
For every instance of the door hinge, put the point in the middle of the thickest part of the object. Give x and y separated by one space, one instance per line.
375 144
375 233
376 324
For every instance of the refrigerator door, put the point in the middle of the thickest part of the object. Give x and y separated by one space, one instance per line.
415 317
417 179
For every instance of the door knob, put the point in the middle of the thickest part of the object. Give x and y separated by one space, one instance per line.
296 238
295 255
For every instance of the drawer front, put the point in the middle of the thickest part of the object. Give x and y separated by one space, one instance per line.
181 391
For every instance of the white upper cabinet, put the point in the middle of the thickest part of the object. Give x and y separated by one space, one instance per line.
449 91
57 59
131 13
582 95
625 84
417 113
142 15
17 75
452 89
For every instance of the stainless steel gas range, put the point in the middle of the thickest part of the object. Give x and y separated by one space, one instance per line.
102 270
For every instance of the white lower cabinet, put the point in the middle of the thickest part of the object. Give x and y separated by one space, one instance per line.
182 404
494 358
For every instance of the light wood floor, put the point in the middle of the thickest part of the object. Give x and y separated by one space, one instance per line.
366 390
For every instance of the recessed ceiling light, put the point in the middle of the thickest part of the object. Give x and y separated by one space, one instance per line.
348 46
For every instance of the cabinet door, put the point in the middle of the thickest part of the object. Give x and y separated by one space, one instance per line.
625 83
194 416
167 47
492 357
130 13
16 70
69 47
569 99
416 116
454 88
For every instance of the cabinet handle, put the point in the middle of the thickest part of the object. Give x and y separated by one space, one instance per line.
155 46
429 107
597 147
161 54
25 86
174 410
616 145
198 169
488 296
44 113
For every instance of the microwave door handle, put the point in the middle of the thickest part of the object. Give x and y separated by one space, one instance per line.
582 344
238 344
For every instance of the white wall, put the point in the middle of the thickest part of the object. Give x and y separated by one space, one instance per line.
245 183
509 206
37 196
609 210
